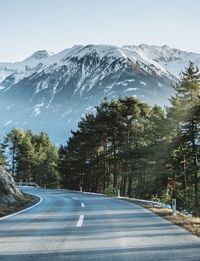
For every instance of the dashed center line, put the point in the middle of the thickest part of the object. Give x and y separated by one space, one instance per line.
80 221
75 198
82 205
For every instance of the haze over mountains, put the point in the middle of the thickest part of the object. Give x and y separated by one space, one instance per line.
50 92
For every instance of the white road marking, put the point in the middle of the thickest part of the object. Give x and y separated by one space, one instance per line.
80 221
82 205
23 210
75 198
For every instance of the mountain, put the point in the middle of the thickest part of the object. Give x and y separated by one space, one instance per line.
173 60
50 92
11 73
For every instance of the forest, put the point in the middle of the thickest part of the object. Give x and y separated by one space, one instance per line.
146 152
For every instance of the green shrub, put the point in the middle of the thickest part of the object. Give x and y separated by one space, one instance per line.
110 191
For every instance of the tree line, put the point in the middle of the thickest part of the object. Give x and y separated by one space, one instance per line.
30 157
144 151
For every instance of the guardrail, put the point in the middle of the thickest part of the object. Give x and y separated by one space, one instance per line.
32 184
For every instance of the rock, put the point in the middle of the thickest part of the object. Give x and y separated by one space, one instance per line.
9 193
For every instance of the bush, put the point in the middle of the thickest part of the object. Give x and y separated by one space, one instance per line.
110 191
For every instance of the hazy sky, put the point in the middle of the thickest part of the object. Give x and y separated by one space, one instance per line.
30 25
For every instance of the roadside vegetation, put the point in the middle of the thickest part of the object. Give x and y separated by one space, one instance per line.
144 151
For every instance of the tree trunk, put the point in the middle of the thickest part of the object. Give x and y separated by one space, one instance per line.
13 161
115 162
130 181
185 180
194 154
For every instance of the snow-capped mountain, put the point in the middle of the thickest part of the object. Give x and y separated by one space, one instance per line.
173 60
11 73
50 92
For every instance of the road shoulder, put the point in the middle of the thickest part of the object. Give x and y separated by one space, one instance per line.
192 224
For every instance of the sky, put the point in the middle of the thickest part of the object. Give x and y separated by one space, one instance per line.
30 25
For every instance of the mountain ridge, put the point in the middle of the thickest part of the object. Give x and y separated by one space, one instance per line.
62 87
152 51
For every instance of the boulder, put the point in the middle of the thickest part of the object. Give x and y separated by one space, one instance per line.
9 193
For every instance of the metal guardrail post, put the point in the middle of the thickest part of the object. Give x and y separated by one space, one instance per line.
173 207
118 193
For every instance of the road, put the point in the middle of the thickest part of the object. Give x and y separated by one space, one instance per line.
78 226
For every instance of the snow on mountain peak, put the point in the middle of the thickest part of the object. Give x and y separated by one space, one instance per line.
109 52
158 59
63 86
100 50
172 59
41 54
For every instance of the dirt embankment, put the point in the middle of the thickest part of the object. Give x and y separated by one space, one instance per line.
11 199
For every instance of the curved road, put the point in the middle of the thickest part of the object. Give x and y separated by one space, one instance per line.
79 226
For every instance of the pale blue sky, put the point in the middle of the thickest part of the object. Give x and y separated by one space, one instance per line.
30 25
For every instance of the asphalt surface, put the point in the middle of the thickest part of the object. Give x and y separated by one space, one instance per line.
78 226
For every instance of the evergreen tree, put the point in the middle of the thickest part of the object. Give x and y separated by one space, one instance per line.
25 159
184 118
2 157
112 149
11 142
32 157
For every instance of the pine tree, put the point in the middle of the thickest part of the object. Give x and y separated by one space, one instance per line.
184 118
25 159
113 149
32 157
2 157
12 141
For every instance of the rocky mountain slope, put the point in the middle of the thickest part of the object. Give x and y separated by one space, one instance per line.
9 193
50 92
172 59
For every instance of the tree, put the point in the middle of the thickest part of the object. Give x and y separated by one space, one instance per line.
25 159
11 142
184 118
32 157
113 149
2 157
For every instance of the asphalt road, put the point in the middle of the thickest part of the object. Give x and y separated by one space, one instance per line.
78 226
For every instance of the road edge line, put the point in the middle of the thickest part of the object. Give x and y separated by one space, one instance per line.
23 210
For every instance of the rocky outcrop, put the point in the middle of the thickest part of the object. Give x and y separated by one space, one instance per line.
9 193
